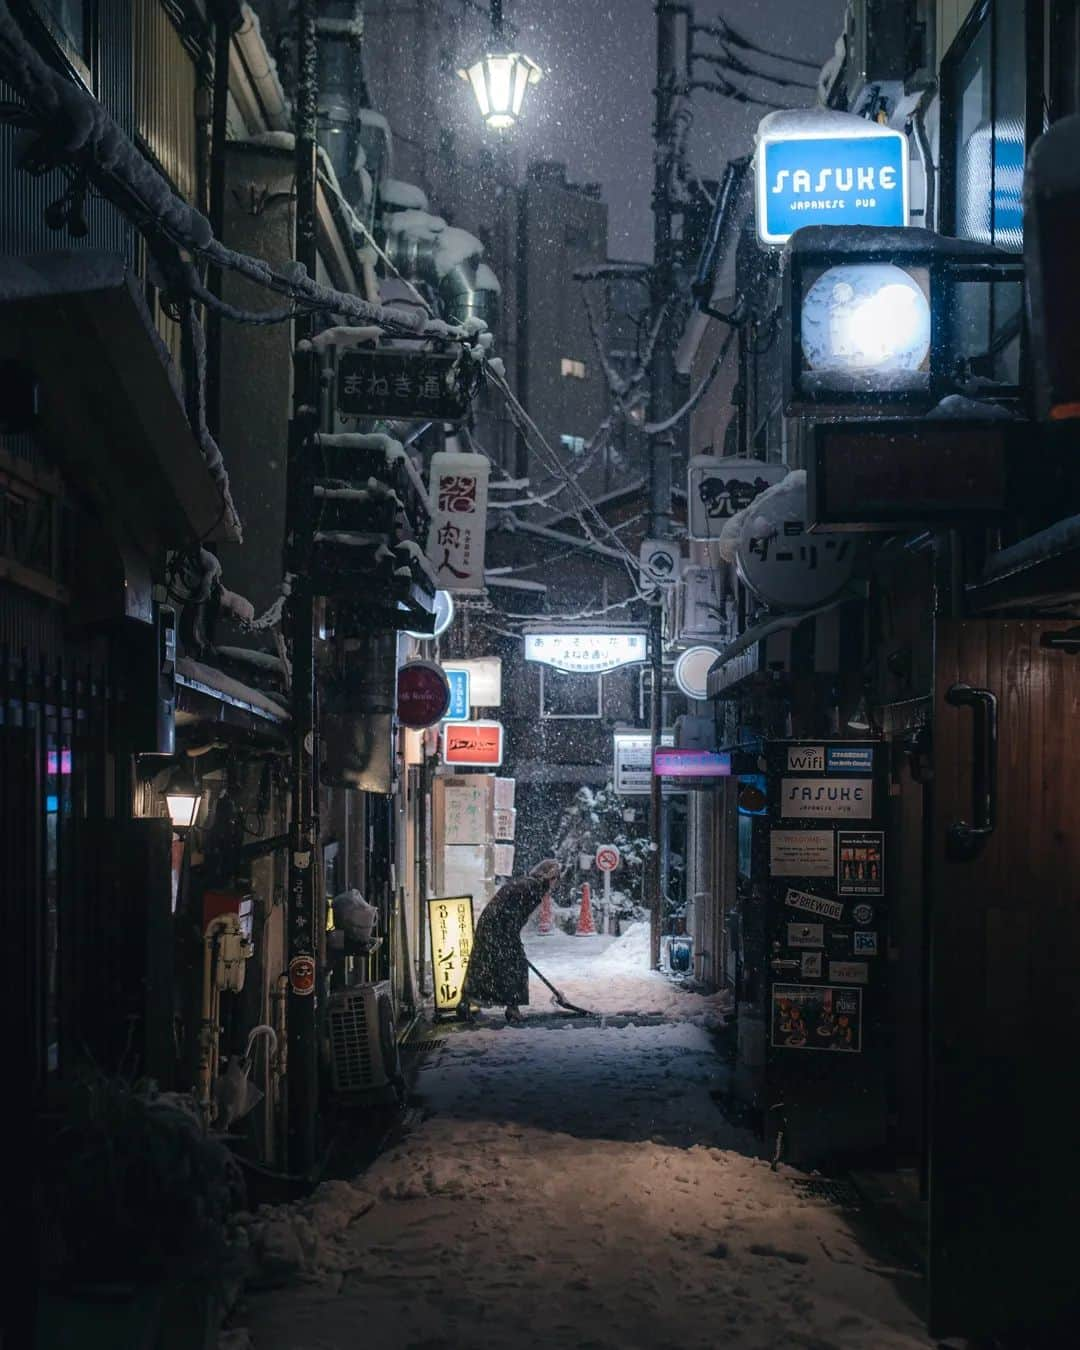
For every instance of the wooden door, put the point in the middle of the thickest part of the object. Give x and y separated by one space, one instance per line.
1005 977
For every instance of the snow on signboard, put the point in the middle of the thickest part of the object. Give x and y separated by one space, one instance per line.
455 546
820 167
718 487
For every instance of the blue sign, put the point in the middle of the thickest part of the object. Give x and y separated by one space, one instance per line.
849 759
830 180
458 710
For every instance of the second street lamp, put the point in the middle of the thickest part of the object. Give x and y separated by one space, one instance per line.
500 78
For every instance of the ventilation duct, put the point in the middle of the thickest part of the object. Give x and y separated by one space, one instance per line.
424 248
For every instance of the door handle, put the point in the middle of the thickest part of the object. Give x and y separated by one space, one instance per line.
965 840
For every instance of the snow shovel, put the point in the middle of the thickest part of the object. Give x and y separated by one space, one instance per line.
559 998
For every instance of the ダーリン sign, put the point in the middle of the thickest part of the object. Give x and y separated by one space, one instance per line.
827 168
473 744
450 923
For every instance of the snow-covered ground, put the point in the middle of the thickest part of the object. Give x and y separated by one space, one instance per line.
610 975
577 1186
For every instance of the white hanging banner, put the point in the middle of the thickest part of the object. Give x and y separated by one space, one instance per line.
455 546
718 488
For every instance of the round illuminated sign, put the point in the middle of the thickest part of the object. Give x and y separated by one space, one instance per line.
786 568
692 671
444 616
871 317
423 694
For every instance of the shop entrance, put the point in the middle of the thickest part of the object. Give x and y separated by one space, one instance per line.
1005 955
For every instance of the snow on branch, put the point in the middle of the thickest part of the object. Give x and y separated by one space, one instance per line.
658 428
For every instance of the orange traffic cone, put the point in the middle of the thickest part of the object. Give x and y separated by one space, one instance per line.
585 926
547 922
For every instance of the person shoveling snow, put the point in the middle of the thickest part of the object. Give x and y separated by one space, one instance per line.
498 970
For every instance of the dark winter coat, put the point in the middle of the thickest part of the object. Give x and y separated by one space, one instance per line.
498 971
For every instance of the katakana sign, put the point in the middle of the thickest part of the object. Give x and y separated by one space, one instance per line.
450 922
476 744
785 566
411 385
455 547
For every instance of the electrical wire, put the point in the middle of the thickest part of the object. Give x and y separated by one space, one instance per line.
720 28
729 61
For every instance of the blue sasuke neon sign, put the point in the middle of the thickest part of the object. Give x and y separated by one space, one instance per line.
830 180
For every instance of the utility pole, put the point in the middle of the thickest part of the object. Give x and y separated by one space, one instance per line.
303 936
662 384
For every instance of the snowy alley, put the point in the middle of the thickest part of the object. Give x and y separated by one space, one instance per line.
575 1184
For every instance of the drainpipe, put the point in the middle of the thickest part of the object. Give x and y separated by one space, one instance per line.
340 30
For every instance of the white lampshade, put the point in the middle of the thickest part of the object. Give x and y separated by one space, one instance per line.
499 81
182 798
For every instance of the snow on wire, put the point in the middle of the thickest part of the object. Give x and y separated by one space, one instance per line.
81 128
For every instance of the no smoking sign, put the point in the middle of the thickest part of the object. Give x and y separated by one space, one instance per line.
607 857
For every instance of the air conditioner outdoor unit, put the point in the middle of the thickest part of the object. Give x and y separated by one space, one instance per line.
364 1053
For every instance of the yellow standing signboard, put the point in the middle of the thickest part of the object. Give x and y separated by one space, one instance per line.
450 923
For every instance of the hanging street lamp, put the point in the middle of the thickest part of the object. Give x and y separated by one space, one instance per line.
182 798
500 77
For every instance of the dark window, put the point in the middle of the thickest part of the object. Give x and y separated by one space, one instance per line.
984 136
983 101
570 695
69 23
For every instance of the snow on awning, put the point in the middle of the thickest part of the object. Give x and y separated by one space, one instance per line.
112 408
191 674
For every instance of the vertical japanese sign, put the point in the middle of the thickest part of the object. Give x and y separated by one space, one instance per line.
467 810
450 923
455 546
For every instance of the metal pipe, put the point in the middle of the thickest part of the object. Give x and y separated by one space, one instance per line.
661 406
302 1081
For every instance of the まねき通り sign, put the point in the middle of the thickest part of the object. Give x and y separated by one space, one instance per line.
827 168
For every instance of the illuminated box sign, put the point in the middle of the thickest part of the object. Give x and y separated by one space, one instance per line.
878 475
450 923
413 385
633 763
827 178
473 744
458 710
673 763
585 653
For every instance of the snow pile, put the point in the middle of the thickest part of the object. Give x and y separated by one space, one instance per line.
611 976
301 1241
399 196
787 500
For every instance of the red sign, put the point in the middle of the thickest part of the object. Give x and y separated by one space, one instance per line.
302 975
423 694
607 857
473 743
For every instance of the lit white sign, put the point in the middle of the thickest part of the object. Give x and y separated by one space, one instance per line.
585 653
692 670
633 763
485 679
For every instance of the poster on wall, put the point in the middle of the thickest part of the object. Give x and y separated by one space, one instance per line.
466 810
860 862
833 798
801 853
816 1017
450 923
